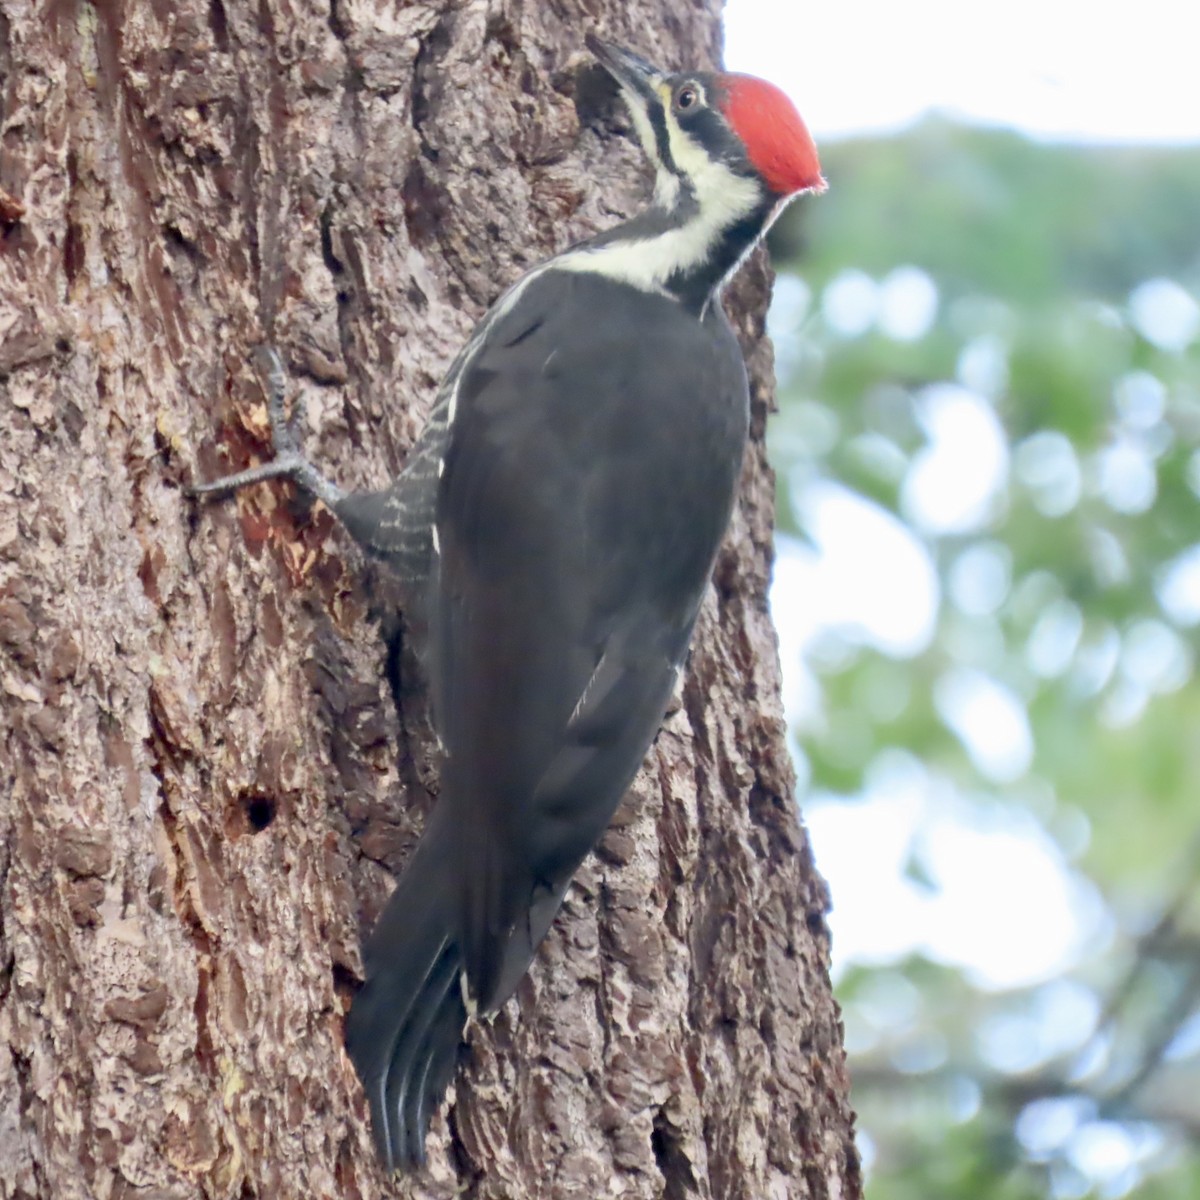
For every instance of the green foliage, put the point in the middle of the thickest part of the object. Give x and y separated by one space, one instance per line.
990 211
1036 252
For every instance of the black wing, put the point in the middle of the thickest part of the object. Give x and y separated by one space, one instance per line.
588 480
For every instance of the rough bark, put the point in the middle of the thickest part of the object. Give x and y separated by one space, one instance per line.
206 780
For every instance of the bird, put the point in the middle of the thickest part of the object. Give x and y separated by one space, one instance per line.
556 525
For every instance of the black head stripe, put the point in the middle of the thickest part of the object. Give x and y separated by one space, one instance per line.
657 117
711 130
705 123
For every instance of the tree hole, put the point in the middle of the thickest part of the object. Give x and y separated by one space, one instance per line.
260 812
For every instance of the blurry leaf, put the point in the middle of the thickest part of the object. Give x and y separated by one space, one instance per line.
1027 257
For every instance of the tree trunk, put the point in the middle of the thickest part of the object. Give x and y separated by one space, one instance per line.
207 780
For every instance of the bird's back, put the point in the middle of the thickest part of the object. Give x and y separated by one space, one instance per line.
587 482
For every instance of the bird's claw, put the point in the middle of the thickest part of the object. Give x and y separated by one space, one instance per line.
284 437
288 461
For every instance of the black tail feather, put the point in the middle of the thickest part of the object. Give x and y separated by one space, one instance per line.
406 1024
440 1057
412 1047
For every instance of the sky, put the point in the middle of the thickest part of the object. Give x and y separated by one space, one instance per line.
1070 69
1056 69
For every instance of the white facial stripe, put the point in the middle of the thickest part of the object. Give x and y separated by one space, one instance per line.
723 198
641 123
505 304
666 183
690 157
666 188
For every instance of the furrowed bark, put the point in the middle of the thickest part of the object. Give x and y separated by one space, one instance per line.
205 778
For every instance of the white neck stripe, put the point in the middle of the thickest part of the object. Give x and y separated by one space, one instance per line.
723 199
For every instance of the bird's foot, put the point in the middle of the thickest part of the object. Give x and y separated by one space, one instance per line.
288 461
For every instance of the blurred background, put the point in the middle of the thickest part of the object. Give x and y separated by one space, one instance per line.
988 576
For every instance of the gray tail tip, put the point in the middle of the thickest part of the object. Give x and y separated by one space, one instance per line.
404 1043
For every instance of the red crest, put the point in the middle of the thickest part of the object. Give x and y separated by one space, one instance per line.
776 139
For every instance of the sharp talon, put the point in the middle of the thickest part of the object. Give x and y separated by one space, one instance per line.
289 461
284 437
284 466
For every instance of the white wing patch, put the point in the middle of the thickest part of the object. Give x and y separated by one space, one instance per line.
586 696
499 309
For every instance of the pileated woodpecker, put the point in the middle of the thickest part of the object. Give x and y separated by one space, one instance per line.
557 522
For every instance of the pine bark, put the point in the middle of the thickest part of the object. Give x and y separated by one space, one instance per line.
205 777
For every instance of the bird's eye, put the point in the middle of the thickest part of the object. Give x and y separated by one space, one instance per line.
688 96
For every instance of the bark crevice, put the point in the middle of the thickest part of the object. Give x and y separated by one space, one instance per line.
213 763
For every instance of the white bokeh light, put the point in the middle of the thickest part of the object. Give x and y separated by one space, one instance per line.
1165 313
864 575
983 365
1155 657
1054 639
1047 465
975 858
908 304
1179 588
953 483
1054 1021
970 858
980 578
1046 1125
990 721
1109 1152
850 303
1141 399
1125 476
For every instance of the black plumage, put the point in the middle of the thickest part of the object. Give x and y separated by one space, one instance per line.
588 479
